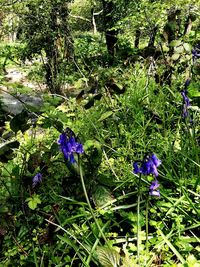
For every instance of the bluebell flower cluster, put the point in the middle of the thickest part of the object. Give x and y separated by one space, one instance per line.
196 52
37 179
146 167
186 103
69 146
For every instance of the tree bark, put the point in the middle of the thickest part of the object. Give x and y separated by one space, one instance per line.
110 32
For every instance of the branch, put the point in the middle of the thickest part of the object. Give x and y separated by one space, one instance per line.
98 13
79 17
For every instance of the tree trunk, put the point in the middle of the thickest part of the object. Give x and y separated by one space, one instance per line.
137 38
110 33
152 36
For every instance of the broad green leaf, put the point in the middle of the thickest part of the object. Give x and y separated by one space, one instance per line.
93 151
179 50
20 122
105 115
108 257
175 43
33 201
8 146
175 56
187 47
102 196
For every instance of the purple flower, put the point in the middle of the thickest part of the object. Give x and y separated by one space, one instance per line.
155 160
154 170
196 52
153 189
155 193
148 165
186 103
136 168
37 179
187 83
69 146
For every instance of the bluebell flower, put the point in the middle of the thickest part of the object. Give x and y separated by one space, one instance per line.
136 168
196 52
147 166
186 103
153 189
69 146
187 83
37 179
155 160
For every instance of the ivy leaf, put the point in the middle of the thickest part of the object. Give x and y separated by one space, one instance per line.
108 257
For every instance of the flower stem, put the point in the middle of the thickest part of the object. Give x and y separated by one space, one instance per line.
138 222
147 226
89 205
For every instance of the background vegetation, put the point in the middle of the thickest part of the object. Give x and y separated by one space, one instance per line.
120 78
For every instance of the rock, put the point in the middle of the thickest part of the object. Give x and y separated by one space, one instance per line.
14 105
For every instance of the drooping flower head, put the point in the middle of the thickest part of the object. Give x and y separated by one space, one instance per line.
187 83
196 52
153 189
69 146
147 166
186 103
37 179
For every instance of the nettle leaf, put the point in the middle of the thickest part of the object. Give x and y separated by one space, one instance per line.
105 115
108 257
33 201
102 196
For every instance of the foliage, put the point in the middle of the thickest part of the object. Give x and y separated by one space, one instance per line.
78 174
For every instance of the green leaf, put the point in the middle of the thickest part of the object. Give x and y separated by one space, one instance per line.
187 47
108 257
8 146
105 115
175 43
175 251
175 56
19 122
33 201
179 50
89 104
94 152
102 196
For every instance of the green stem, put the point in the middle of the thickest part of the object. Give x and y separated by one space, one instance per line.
138 222
89 205
147 226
